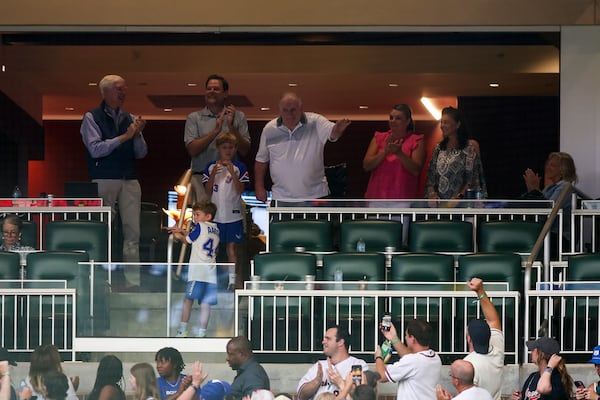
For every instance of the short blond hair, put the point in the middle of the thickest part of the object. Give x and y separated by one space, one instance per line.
226 138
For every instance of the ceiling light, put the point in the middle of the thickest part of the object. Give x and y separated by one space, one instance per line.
292 84
494 84
265 108
363 107
69 108
191 84
3 68
92 84
167 109
392 84
433 110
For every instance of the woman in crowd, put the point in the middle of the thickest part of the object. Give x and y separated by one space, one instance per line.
551 380
143 382
559 169
395 158
11 233
455 164
46 359
108 380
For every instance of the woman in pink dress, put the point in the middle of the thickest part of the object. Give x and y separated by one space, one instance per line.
395 158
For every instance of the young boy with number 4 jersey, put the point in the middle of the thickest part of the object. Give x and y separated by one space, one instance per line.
202 279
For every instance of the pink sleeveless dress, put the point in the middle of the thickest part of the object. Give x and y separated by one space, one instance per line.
390 180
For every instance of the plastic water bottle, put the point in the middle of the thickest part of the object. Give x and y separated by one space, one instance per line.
338 277
16 194
361 246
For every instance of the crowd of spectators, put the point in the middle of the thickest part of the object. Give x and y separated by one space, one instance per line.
340 375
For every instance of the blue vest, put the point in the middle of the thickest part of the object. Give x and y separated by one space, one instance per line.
120 164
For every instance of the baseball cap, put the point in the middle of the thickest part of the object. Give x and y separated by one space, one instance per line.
480 333
215 390
545 344
6 356
595 356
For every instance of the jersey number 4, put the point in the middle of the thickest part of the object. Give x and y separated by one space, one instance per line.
208 246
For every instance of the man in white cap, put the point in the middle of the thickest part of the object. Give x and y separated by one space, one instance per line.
593 390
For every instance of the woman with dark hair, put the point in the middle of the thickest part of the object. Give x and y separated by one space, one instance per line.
108 380
45 359
455 164
143 382
11 233
551 381
395 158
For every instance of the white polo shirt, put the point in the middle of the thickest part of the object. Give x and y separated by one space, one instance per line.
295 156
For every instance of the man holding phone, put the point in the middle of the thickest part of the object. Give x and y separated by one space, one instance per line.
339 363
593 390
418 370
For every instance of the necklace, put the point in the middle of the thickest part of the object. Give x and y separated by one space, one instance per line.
174 385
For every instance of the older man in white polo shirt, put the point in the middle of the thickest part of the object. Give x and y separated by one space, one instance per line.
292 146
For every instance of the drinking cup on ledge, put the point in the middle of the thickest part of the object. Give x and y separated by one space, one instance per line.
255 279
310 282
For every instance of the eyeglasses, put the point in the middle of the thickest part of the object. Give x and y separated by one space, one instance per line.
10 233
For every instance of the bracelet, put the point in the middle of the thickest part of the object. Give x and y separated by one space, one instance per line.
6 373
378 358
194 386
394 341
548 370
481 296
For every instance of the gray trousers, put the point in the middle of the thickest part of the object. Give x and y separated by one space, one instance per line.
128 194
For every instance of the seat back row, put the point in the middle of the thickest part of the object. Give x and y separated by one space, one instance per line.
410 267
423 236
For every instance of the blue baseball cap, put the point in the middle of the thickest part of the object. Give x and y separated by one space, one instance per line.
215 390
595 356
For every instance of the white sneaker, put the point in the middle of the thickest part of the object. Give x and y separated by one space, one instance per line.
182 333
201 333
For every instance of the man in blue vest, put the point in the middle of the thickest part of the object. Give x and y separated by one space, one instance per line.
114 141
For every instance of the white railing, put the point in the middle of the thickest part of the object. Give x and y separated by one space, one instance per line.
473 211
568 311
34 316
293 319
585 223
38 211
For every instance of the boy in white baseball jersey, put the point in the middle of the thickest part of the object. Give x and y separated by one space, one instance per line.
224 181
202 279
